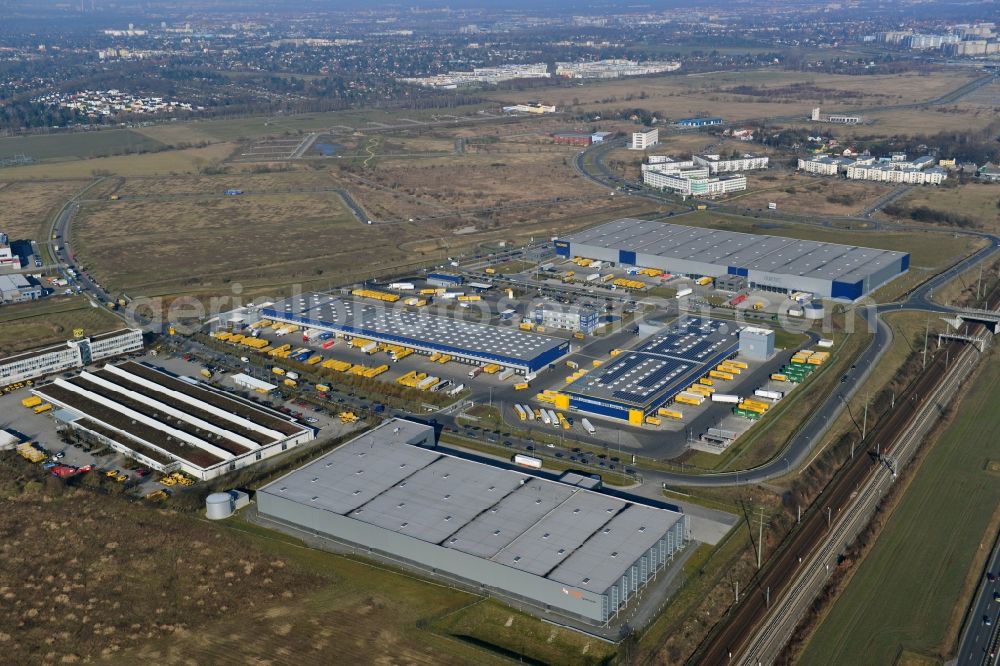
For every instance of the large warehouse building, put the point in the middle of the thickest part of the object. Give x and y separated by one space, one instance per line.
466 341
557 546
770 263
639 381
168 423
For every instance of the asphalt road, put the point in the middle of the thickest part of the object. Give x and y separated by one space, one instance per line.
813 430
978 644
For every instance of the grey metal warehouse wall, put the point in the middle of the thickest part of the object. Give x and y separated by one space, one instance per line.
582 603
643 568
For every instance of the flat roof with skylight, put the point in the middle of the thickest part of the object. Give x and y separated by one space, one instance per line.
556 544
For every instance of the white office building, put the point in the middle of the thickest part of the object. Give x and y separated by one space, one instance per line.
716 164
576 318
690 180
644 140
69 355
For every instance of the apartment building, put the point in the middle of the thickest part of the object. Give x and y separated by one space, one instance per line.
716 164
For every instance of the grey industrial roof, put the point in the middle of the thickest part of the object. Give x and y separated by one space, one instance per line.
667 361
773 254
565 533
417 326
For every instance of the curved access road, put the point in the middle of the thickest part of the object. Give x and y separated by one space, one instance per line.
811 433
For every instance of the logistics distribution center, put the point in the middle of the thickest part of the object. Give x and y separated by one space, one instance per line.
641 380
770 263
471 342
169 423
559 546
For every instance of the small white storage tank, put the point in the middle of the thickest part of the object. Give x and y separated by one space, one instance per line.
219 506
813 310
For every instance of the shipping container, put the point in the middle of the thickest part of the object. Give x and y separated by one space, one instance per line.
44 407
456 390
770 395
520 412
402 286
690 398
681 293
778 377
669 413
328 344
292 375
526 461
32 401
370 348
654 420
726 397
506 374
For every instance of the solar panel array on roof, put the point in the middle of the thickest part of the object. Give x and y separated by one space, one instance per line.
335 312
663 363
774 254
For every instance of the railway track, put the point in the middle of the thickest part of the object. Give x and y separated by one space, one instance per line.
771 637
777 579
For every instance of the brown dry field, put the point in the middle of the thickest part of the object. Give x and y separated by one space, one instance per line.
146 245
30 325
166 163
198 244
85 577
710 94
26 209
809 193
296 178
978 201
91 578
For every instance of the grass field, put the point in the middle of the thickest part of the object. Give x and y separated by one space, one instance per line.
980 202
28 325
88 577
520 635
173 234
165 163
716 94
798 193
147 245
77 145
27 209
906 592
